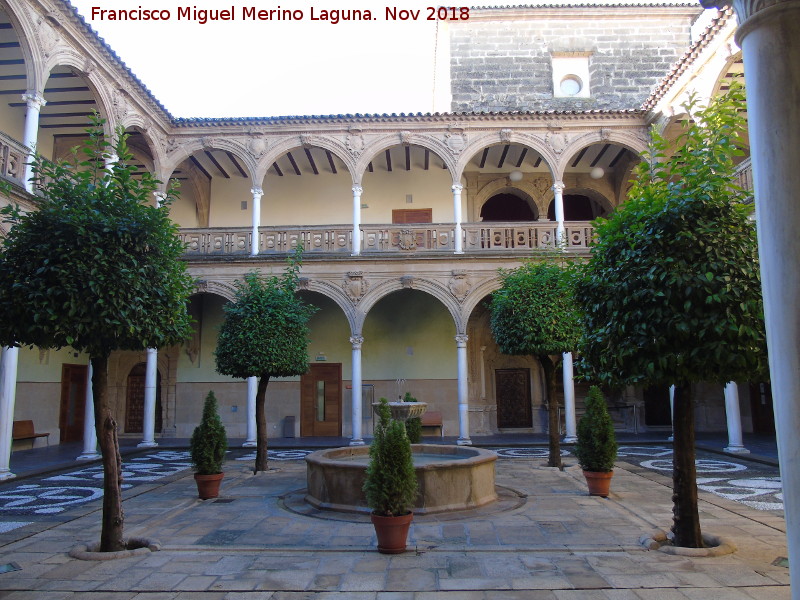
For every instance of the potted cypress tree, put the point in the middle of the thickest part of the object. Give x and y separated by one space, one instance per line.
390 483
596 448
208 446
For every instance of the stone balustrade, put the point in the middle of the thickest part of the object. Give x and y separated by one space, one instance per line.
12 159
386 239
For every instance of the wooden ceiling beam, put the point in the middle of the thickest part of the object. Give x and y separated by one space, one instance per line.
427 159
521 157
311 161
330 161
599 155
579 157
617 158
200 167
216 164
294 164
388 161
408 158
483 158
236 163
277 169
503 156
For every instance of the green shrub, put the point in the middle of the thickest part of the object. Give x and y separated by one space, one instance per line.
596 448
209 442
391 482
413 426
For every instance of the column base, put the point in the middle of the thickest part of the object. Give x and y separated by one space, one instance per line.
89 456
569 439
358 442
671 438
7 475
736 450
464 442
147 444
249 444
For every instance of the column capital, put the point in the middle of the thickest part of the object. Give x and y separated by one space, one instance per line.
356 340
461 340
558 186
357 190
161 197
257 193
457 188
34 100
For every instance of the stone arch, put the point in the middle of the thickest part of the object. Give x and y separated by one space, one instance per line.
534 189
223 289
478 293
138 122
634 141
429 286
288 144
335 293
189 147
487 139
592 193
388 141
31 52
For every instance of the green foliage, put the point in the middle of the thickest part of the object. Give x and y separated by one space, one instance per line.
413 425
209 442
533 313
391 482
97 266
265 332
596 448
672 292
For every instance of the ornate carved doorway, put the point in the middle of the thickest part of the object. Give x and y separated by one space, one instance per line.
73 402
134 400
513 398
321 400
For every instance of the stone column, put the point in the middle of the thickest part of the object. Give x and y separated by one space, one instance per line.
558 203
8 390
150 381
769 36
257 193
160 198
463 391
89 429
483 372
735 442
357 191
34 102
357 439
252 388
569 398
459 247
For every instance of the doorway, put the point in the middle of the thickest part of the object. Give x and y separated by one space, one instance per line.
134 400
761 408
513 398
73 402
321 401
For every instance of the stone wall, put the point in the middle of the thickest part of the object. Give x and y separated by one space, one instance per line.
501 60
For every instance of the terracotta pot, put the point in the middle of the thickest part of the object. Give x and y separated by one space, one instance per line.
392 532
598 482
208 485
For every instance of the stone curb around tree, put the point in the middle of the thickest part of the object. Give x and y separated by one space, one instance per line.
662 541
134 547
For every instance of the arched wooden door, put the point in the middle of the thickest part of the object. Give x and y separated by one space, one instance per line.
134 402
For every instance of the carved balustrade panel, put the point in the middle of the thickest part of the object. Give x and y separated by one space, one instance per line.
215 241
744 176
12 159
408 238
325 238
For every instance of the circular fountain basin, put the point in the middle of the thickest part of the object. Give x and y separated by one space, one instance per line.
450 478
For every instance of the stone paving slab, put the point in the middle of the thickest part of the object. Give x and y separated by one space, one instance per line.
554 543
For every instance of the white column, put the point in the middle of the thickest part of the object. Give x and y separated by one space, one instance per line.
558 203
463 391
357 439
457 217
8 390
671 412
110 160
569 398
160 198
257 193
34 102
735 441
769 37
150 379
89 429
357 191
252 388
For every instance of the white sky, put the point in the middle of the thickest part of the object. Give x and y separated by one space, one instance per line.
269 68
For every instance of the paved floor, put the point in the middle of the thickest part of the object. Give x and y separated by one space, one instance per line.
545 540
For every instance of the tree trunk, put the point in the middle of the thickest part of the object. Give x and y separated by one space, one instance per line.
111 534
261 424
686 518
549 368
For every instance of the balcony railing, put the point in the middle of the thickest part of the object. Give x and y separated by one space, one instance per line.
408 239
12 159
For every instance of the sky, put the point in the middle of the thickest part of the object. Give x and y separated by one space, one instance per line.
275 67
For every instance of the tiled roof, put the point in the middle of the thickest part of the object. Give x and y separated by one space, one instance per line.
685 61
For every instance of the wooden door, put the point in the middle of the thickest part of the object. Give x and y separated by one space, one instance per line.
761 408
321 400
134 400
513 398
73 402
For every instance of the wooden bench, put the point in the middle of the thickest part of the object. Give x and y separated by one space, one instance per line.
23 430
432 419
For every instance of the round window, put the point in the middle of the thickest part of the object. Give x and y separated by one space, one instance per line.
571 85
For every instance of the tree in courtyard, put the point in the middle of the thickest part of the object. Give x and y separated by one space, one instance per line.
671 295
95 267
533 314
264 335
